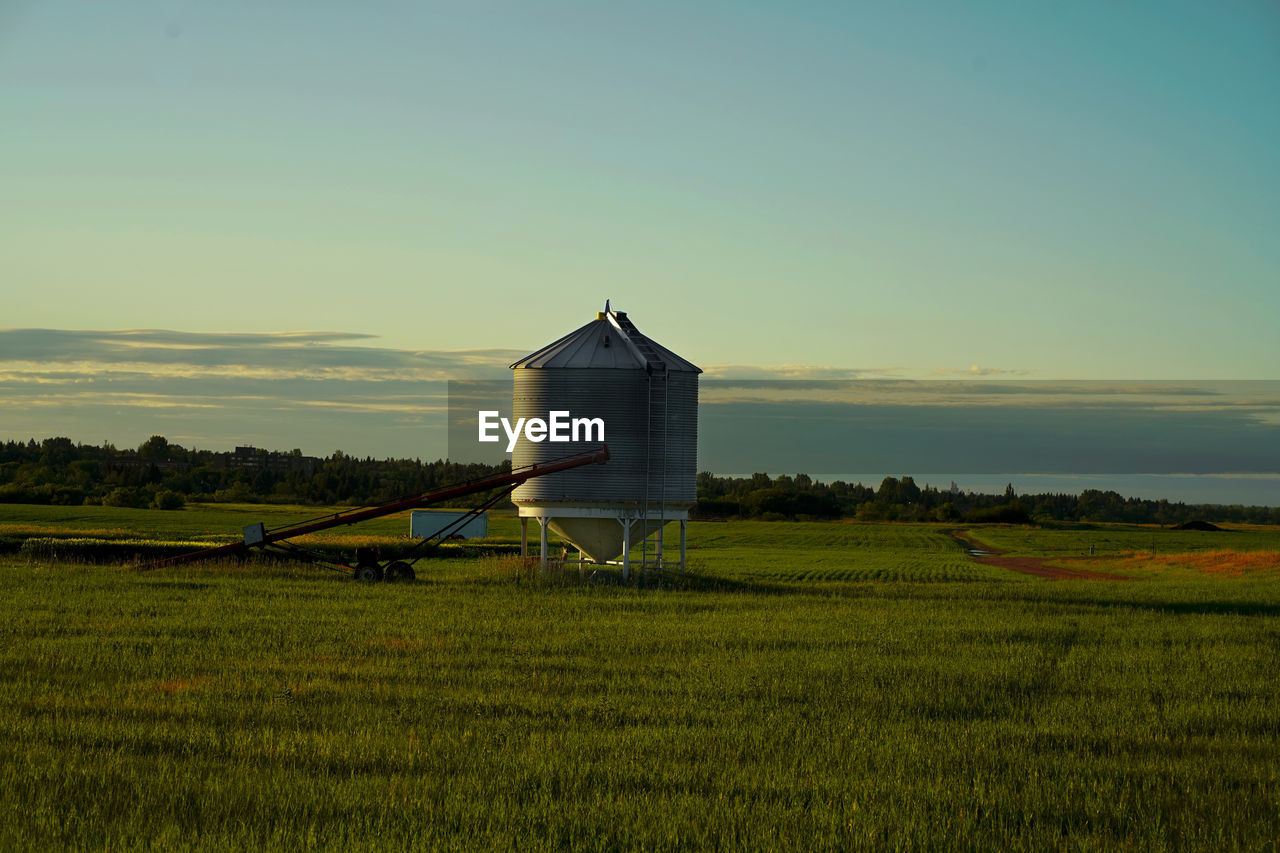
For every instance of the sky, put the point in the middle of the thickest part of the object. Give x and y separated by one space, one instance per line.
201 199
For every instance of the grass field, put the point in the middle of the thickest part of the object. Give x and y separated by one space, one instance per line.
808 686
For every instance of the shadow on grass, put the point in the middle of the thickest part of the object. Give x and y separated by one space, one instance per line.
178 584
1211 607
976 594
529 574
693 582
1199 608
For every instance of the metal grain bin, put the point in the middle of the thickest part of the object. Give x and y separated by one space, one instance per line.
647 397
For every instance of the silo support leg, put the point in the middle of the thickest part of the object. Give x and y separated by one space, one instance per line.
661 524
626 548
542 552
524 536
684 525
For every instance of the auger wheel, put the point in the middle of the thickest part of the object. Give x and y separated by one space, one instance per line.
399 572
368 573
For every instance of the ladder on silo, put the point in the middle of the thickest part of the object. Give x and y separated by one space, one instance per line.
653 364
653 361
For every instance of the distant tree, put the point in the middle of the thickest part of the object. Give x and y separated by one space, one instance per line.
888 491
908 491
57 451
1010 513
155 449
168 499
131 497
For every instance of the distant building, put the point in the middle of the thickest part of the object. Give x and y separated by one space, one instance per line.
256 459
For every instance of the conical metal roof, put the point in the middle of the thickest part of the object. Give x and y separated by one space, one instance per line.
609 341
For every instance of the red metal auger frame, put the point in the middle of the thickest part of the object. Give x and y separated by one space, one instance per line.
258 536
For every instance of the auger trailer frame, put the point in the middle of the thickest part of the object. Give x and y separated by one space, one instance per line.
368 562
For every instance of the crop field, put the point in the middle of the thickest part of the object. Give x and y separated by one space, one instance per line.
1116 540
815 686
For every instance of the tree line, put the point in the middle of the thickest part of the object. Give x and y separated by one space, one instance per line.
163 475
901 499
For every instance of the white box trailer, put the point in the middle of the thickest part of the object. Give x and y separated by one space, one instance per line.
428 522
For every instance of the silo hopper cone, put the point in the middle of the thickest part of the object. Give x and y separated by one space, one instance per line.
598 538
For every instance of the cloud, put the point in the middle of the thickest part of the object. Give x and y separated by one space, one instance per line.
795 372
999 393
826 437
327 390
321 390
378 407
55 354
975 370
826 372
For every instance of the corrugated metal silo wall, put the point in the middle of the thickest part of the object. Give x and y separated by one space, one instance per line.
628 401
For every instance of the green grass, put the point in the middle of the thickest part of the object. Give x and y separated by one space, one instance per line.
777 699
741 551
1119 539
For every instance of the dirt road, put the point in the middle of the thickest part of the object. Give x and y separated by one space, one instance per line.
989 556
